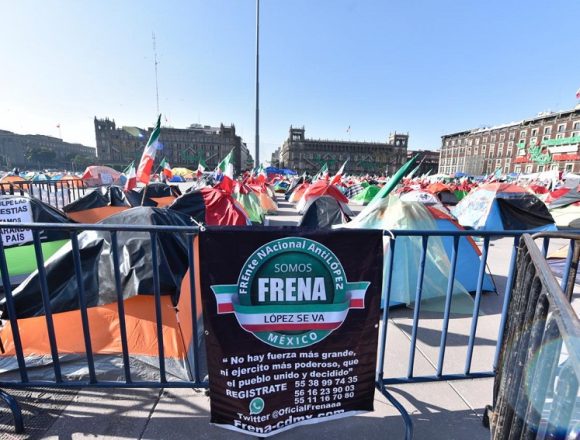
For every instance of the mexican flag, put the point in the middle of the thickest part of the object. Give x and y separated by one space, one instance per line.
262 176
201 167
322 174
166 168
148 157
338 176
131 177
226 169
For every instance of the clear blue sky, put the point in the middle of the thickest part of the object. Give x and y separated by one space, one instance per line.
423 66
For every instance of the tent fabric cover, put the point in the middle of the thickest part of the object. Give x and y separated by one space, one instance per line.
135 265
323 212
527 212
212 207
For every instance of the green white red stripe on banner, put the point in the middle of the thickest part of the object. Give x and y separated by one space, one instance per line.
289 317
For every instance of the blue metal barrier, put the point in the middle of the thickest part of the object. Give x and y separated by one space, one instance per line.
536 386
57 193
195 380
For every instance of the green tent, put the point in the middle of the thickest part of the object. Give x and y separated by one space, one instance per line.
364 197
251 204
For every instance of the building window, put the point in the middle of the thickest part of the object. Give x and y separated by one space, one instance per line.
545 138
559 135
569 168
477 141
518 169
523 134
555 166
498 163
512 135
493 138
509 152
533 141
561 128
476 151
547 130
576 125
483 149
575 133
534 131
484 140
540 168
502 137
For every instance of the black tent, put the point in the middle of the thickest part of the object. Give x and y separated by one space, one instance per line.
323 212
135 265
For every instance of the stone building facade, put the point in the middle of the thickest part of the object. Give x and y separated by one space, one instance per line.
35 151
301 154
428 161
549 141
182 147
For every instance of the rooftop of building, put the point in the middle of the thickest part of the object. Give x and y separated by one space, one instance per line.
540 116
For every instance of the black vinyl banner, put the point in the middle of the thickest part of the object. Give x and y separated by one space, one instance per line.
291 319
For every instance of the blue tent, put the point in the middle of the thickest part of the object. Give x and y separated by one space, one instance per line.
503 207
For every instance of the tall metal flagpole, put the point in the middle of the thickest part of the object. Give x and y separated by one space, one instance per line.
156 82
257 83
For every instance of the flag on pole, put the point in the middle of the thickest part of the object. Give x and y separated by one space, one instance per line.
262 176
131 177
226 169
389 186
166 168
323 171
348 129
201 167
338 176
148 157
578 94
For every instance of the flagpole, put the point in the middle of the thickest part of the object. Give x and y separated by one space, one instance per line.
257 82
156 82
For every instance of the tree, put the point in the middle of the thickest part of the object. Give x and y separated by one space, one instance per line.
40 155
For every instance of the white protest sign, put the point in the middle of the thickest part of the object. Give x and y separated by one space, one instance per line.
15 210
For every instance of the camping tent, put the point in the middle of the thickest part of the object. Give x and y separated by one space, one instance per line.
365 196
101 175
323 188
211 206
135 265
564 205
323 212
251 204
393 213
161 193
503 206
100 204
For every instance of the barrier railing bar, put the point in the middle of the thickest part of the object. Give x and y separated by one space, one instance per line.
417 305
543 378
506 300
12 314
569 256
105 384
158 310
190 257
383 336
46 304
545 246
537 312
434 378
83 307
447 310
476 305
120 306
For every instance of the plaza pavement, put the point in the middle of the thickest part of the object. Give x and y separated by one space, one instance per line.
443 410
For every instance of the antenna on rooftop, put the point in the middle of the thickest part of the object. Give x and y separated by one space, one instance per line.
156 81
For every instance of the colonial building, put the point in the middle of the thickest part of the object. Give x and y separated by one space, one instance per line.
182 147
35 151
275 160
301 154
549 141
428 161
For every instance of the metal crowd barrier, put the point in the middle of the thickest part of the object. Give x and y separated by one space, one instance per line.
536 387
196 381
57 193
